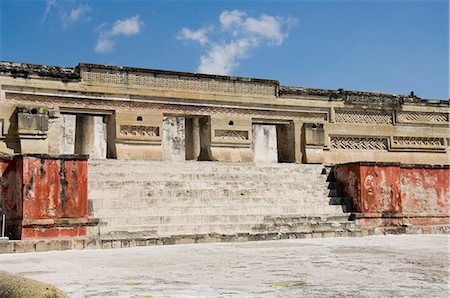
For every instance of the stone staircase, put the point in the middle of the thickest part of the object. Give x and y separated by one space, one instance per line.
151 199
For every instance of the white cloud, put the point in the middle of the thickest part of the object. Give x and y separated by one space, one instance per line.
77 14
224 58
230 18
66 12
104 44
48 8
127 27
238 37
199 35
267 27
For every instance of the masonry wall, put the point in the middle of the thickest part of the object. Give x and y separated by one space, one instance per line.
44 196
327 126
386 194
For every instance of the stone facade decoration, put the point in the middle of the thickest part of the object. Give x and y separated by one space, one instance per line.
423 118
121 111
358 143
231 135
363 117
139 131
417 143
174 81
148 132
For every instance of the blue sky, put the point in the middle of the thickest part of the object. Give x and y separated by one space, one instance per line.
386 46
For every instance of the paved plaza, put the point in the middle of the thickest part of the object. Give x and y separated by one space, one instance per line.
376 266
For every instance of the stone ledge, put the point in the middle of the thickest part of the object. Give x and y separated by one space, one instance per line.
18 246
395 164
60 222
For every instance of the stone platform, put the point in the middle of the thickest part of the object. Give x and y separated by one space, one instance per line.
151 199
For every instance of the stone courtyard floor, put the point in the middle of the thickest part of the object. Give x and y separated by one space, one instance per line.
376 266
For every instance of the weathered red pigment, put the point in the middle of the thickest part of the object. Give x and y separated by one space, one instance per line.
390 194
40 187
60 232
54 188
430 183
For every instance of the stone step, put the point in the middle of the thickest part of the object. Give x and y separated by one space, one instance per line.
122 214
211 205
191 219
169 194
178 198
207 176
222 181
224 218
168 230
196 164
200 184
222 228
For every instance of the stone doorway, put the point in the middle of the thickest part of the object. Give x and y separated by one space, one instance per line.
84 134
273 141
186 138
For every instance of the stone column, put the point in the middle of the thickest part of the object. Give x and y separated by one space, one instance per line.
90 136
192 138
174 138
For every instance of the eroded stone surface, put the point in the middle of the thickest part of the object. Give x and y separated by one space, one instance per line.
377 266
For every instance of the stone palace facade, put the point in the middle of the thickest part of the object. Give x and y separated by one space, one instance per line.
181 157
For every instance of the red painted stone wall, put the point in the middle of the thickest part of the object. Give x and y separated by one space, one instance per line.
380 189
430 183
49 193
392 194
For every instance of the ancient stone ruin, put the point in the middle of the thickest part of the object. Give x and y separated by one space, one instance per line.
107 156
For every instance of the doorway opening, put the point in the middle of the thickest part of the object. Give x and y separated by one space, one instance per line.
186 138
273 141
82 133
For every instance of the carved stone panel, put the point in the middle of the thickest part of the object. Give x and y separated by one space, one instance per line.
423 118
231 135
417 143
139 131
363 117
151 80
358 143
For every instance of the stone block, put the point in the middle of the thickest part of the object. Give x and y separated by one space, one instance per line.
6 246
66 244
106 244
314 134
78 243
47 245
93 243
317 235
24 246
328 234
140 242
151 242
116 244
